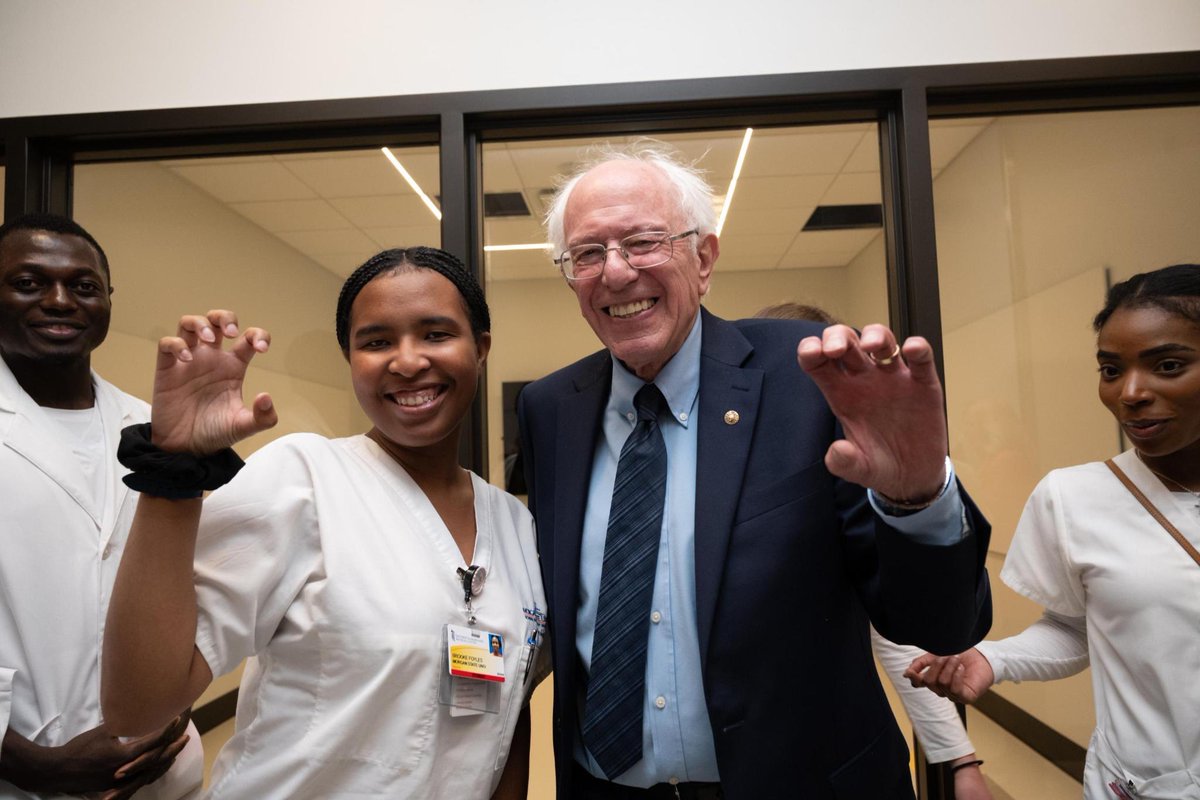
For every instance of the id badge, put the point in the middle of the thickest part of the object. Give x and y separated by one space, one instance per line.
472 670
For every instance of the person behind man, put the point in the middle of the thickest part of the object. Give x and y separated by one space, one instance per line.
66 515
710 557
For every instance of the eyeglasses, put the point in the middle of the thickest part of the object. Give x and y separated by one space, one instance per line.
640 251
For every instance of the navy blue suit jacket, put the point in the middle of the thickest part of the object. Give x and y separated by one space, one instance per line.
790 564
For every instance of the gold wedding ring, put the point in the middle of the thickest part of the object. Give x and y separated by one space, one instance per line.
891 357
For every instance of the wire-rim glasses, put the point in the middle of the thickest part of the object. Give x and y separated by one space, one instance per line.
640 250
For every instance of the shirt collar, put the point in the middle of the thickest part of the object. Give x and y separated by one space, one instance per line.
678 380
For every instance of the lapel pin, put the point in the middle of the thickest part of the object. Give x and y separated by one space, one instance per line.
732 417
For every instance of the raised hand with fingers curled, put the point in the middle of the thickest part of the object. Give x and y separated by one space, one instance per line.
198 406
889 401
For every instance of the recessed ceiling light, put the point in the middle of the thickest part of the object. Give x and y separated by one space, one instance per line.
432 206
737 171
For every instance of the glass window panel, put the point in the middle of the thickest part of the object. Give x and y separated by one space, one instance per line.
766 258
1036 215
270 236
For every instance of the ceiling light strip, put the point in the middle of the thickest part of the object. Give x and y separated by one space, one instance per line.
437 212
737 171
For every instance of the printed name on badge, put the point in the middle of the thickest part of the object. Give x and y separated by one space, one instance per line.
475 654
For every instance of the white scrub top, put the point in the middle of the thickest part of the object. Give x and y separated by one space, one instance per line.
1086 547
325 561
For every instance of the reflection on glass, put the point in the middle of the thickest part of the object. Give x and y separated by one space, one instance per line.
1036 215
270 236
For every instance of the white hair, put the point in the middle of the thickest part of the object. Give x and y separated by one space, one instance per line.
695 195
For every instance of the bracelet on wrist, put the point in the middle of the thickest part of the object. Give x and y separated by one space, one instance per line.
902 508
174 476
976 763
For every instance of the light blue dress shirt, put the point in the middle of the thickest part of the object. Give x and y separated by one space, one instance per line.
677 742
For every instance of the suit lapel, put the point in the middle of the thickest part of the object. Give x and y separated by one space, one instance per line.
579 418
723 448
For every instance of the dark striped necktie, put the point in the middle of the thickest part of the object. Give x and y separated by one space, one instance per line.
612 719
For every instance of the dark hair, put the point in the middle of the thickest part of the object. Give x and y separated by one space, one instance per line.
397 260
1173 289
796 311
54 223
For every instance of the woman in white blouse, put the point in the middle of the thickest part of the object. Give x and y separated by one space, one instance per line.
355 573
1117 582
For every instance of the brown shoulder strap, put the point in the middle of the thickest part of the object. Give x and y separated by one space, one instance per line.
1154 512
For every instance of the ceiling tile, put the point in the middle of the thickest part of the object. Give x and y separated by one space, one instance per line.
814 259
856 188
499 172
292 215
946 143
384 211
351 177
827 248
519 265
316 243
757 222
800 154
189 162
542 165
245 181
865 157
789 191
752 252
341 264
406 235
516 230
317 155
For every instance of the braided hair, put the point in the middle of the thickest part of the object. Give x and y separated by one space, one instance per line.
397 260
1175 290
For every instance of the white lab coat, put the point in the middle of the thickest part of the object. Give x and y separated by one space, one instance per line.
59 551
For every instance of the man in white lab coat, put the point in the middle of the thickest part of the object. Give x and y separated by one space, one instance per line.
64 517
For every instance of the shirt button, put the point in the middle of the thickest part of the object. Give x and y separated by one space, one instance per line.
655 617
106 552
673 780
683 417
660 702
631 416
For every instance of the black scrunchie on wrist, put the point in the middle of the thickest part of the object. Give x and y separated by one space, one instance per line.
174 476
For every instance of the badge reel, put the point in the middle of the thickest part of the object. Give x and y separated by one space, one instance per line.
472 659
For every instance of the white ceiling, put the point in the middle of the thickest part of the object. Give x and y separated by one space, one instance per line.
339 208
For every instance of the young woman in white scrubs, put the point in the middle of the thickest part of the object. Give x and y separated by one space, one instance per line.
337 566
1115 583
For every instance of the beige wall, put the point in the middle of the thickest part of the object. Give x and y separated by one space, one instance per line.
1029 216
175 250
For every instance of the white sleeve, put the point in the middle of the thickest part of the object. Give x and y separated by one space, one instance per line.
257 548
934 719
1053 647
1039 564
6 690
